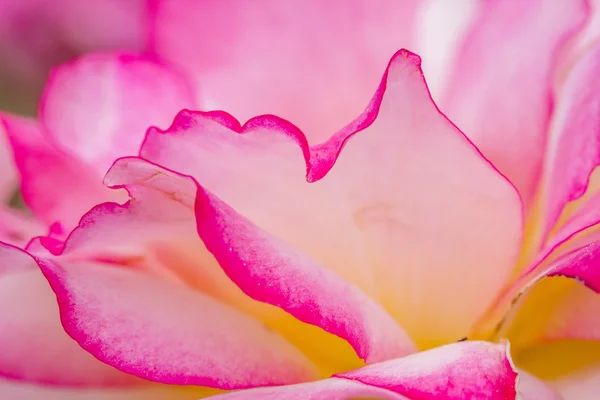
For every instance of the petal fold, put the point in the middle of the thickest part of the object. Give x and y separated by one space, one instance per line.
466 370
269 270
384 209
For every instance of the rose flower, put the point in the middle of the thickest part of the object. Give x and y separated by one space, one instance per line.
441 244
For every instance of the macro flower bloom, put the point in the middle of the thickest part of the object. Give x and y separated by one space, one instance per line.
440 245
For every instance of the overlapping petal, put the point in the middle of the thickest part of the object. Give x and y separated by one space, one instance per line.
401 192
574 142
164 332
268 270
298 287
473 370
491 69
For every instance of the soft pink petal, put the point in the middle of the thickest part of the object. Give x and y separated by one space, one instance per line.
579 385
165 332
269 270
18 390
435 216
312 62
32 340
55 185
99 106
260 172
332 388
510 53
165 243
399 198
575 139
466 370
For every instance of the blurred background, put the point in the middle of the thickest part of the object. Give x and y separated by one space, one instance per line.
35 35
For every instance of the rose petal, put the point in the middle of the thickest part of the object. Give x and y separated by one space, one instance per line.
512 134
294 58
164 332
435 216
574 141
32 339
99 106
260 173
466 370
385 200
54 185
269 270
332 388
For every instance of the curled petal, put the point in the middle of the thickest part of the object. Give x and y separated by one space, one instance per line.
512 134
466 370
168 333
99 106
384 202
271 271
